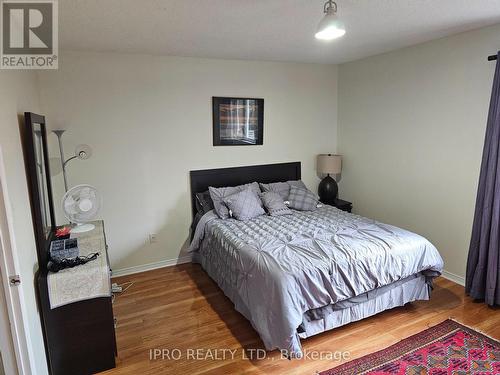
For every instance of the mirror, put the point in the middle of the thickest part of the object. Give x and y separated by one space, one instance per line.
42 180
38 172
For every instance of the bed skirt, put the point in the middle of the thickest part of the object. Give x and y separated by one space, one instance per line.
415 288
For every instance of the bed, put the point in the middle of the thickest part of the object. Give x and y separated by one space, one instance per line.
299 275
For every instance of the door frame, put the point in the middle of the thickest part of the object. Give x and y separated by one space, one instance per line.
9 265
8 361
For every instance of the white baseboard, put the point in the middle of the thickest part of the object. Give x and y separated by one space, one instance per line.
453 277
151 266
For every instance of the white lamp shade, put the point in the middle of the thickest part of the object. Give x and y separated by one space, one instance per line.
330 27
329 164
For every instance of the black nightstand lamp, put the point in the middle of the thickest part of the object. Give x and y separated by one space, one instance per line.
327 190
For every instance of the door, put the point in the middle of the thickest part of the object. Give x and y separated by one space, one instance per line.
13 339
7 356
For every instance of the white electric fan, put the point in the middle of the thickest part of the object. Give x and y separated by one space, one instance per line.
81 205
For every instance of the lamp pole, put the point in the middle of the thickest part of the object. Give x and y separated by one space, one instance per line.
59 134
82 152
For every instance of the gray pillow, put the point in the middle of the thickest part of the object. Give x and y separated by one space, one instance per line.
282 188
297 183
274 204
302 199
244 205
218 194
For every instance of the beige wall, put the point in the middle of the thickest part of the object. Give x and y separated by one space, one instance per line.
19 93
149 121
411 129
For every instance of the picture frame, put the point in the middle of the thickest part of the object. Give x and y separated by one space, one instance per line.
238 121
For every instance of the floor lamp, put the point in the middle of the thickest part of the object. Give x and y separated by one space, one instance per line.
82 152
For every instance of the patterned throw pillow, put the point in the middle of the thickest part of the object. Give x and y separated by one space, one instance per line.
203 202
274 204
282 188
244 205
302 199
218 194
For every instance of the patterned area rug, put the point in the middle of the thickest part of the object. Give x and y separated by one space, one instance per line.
446 349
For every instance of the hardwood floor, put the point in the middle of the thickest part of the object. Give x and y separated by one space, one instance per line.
181 308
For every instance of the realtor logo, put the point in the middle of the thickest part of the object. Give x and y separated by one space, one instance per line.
29 37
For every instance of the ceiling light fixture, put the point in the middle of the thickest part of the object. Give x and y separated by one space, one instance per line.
330 27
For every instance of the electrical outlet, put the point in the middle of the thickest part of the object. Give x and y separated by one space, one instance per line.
152 238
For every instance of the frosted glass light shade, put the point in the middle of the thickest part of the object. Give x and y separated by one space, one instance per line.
330 27
329 164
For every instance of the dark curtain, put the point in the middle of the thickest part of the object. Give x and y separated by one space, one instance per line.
483 264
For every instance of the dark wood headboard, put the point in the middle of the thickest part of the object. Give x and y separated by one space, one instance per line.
202 179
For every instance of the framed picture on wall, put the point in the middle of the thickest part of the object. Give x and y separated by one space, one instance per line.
238 121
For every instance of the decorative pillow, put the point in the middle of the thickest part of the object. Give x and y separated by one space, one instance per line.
203 202
274 204
218 194
302 199
244 205
297 183
282 188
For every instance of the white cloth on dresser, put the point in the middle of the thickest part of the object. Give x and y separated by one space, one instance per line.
87 281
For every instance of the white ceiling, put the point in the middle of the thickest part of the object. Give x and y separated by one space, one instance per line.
281 30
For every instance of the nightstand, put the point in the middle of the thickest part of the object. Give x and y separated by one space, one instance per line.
343 205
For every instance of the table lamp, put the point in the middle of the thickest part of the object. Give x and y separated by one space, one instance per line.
328 189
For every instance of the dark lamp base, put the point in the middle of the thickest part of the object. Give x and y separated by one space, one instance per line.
328 190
